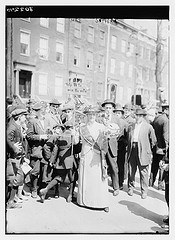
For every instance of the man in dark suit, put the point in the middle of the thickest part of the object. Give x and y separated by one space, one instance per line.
15 151
122 144
111 156
37 137
160 125
53 117
141 141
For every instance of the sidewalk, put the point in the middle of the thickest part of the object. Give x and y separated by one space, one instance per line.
126 214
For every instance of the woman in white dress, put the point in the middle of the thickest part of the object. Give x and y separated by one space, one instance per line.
93 181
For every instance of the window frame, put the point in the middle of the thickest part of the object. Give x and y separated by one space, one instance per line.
43 25
60 24
62 85
45 74
47 38
89 34
61 43
29 34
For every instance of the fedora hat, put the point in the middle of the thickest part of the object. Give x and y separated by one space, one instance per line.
128 106
55 102
108 101
140 111
119 109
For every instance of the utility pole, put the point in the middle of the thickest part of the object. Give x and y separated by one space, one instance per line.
159 55
9 57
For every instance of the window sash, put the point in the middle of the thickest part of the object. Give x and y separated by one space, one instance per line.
60 24
113 42
43 47
76 56
91 34
25 43
59 52
112 65
77 30
44 22
123 48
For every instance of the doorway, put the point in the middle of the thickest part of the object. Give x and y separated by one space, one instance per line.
25 83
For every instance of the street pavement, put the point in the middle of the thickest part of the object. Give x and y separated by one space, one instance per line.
127 215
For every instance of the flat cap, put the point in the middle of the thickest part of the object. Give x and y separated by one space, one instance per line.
55 102
37 106
18 110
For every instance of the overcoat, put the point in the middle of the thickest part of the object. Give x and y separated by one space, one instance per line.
146 141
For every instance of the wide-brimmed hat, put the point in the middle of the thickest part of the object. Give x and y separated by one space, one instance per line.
140 111
37 106
90 109
18 110
108 101
67 106
55 102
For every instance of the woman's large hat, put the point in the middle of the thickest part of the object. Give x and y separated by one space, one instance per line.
108 101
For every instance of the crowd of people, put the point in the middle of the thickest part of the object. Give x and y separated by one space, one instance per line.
45 144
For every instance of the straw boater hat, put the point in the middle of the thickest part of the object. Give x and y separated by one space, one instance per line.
108 101
140 111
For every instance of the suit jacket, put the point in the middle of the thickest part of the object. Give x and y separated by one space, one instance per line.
113 142
160 125
146 141
35 129
62 156
52 119
14 135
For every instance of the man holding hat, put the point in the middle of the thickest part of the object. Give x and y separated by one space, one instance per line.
111 156
36 136
15 152
141 141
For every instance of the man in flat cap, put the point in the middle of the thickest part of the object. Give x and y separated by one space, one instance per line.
15 151
37 137
111 156
141 141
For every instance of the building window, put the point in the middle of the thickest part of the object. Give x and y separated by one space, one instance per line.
140 52
44 22
89 60
151 75
102 38
60 24
59 52
26 19
131 48
129 93
112 69
122 68
42 83
77 30
113 42
89 89
130 70
25 43
152 55
58 86
91 34
120 93
99 90
147 54
147 74
76 56
43 53
123 48
101 62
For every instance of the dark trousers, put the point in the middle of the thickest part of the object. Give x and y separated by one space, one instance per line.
113 169
121 163
155 167
132 168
